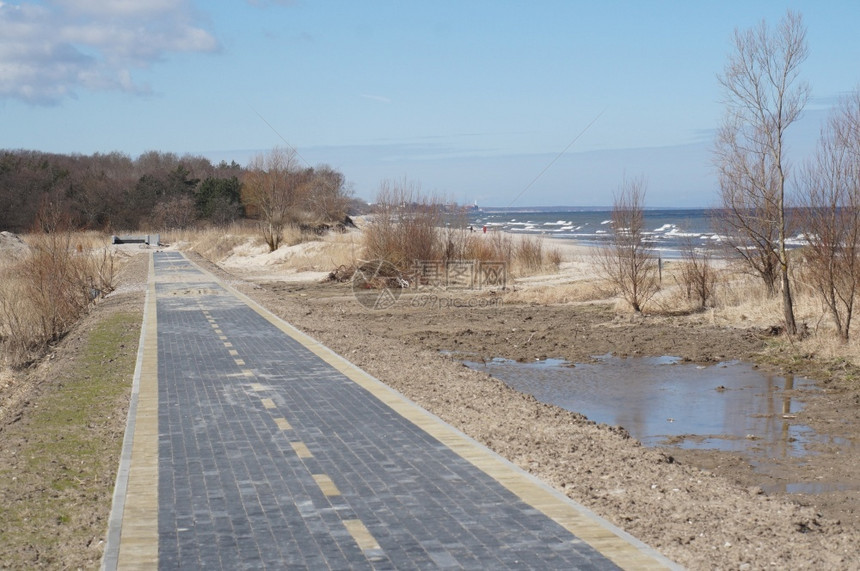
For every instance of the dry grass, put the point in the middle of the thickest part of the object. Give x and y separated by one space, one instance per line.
492 247
323 253
556 294
241 248
529 254
43 293
299 251
524 255
575 279
213 243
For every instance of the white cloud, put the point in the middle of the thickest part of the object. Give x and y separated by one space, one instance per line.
265 3
128 8
379 98
51 49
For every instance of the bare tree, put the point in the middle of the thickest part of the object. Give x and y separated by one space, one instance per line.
764 96
175 213
628 262
831 217
270 188
327 195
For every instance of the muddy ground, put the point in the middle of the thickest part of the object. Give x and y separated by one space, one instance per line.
702 509
704 519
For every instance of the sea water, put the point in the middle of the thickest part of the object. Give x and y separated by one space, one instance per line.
667 231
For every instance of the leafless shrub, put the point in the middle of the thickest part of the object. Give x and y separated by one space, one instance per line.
405 226
47 291
627 263
698 277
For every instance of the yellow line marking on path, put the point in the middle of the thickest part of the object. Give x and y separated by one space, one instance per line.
268 403
301 450
222 337
248 373
214 325
138 546
326 485
283 424
219 332
240 362
622 548
361 535
255 386
233 353
227 344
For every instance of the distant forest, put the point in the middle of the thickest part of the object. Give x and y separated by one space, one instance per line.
157 190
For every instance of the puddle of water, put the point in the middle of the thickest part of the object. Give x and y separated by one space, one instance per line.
729 406
808 488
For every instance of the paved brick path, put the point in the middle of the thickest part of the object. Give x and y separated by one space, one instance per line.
274 453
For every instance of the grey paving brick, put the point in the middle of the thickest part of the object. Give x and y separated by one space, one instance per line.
233 493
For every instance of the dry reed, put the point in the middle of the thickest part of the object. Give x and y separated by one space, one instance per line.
46 291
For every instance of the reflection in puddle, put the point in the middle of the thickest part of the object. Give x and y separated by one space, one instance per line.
730 406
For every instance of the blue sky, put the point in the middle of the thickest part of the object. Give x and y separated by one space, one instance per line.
471 99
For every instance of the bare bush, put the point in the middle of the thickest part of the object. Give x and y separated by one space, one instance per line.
47 291
698 276
405 227
628 263
408 228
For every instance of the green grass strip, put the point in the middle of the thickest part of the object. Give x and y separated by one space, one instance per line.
56 493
